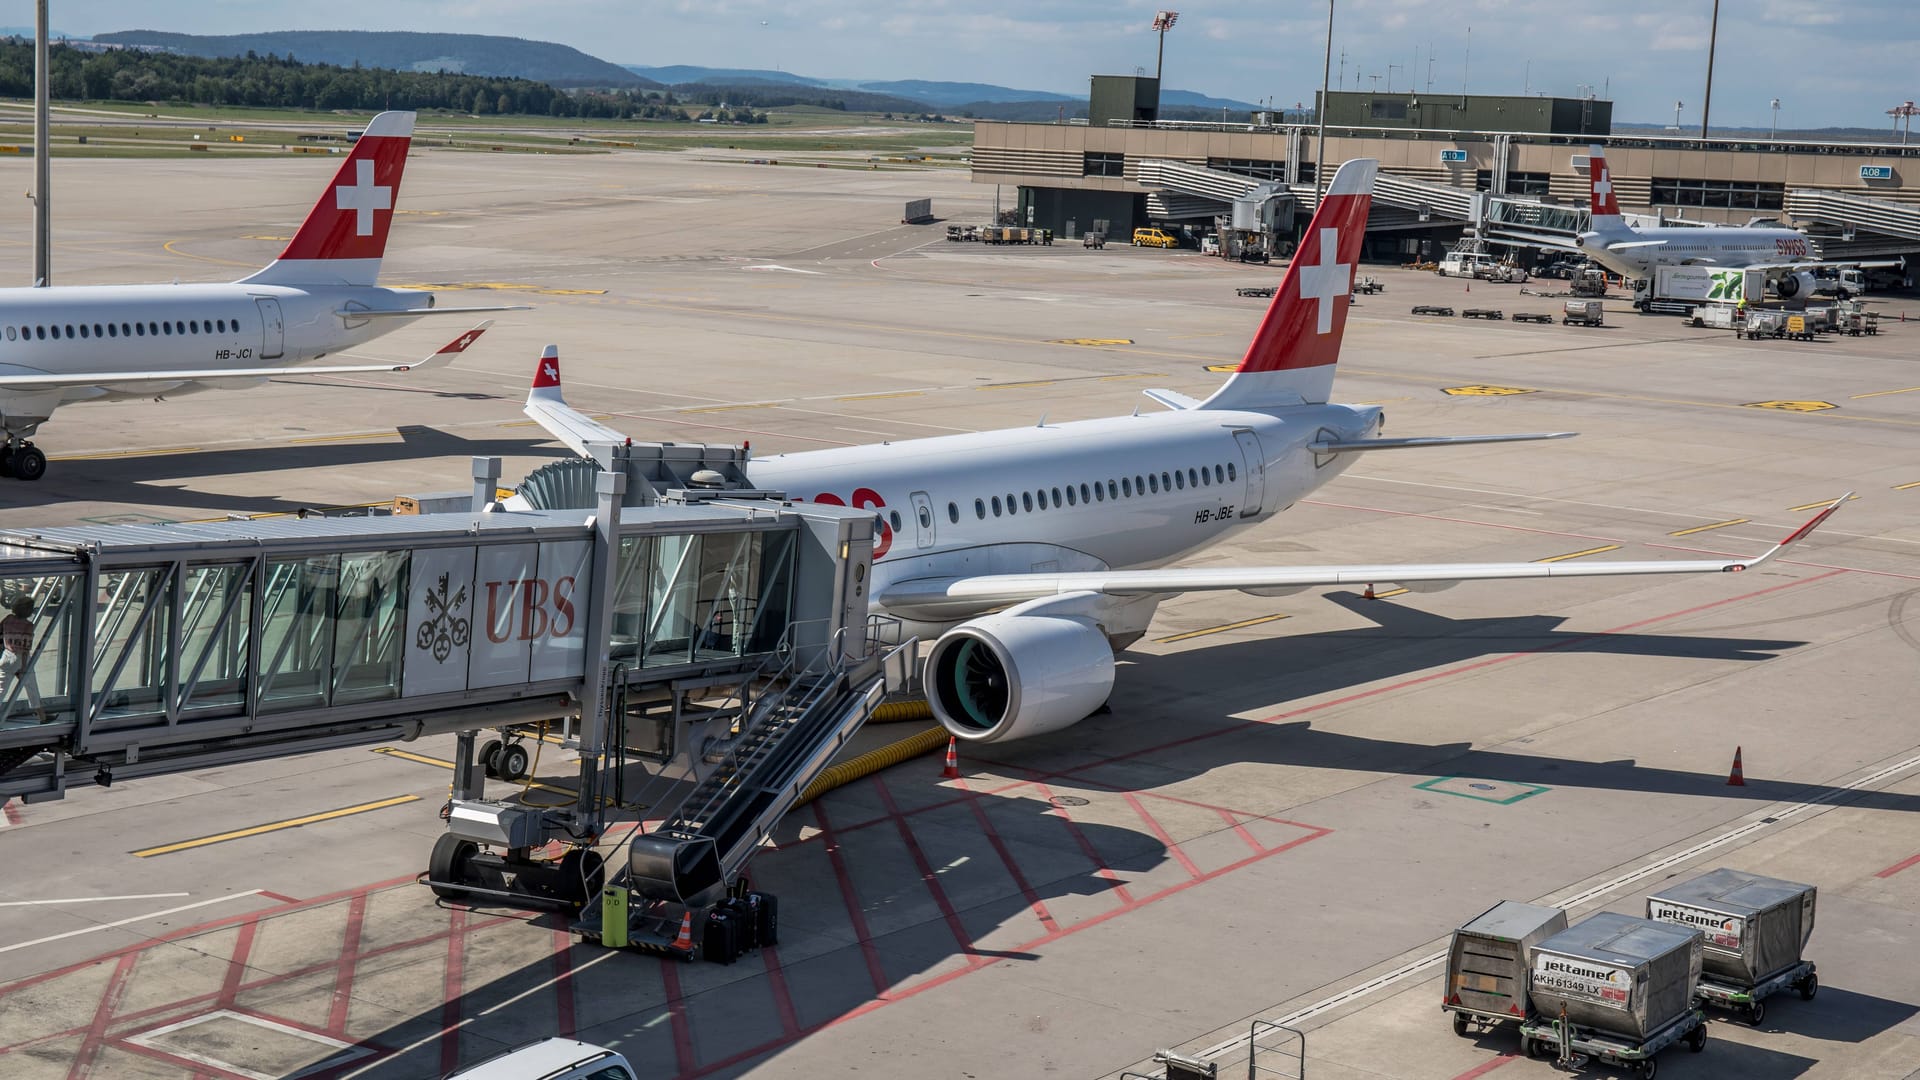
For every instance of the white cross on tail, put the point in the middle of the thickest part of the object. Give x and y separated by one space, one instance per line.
363 198
1602 188
1326 280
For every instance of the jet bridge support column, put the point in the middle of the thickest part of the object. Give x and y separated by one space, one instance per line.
611 488
486 481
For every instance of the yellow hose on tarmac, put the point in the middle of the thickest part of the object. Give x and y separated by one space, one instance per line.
893 712
874 760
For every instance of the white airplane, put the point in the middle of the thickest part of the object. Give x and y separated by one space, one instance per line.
1033 553
1784 253
115 342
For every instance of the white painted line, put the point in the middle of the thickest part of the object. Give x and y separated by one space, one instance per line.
125 922
94 899
346 1050
777 266
1381 982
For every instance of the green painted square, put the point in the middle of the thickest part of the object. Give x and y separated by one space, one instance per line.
1502 792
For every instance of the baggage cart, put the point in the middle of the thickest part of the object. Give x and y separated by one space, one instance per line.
1368 286
1756 930
1432 309
1616 989
1486 980
1762 323
1095 240
1483 313
1532 317
1573 1045
1256 290
1582 313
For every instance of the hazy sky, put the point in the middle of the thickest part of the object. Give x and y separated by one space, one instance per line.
1828 63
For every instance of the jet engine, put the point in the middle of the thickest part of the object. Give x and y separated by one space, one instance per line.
1788 286
1012 675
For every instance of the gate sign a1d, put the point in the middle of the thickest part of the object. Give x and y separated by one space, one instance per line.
1452 157
1876 172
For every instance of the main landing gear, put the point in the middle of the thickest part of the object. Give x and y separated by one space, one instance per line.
22 461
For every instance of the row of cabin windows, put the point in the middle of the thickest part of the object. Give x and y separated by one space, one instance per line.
1125 487
110 330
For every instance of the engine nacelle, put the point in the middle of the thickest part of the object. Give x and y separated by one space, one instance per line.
1788 286
1012 676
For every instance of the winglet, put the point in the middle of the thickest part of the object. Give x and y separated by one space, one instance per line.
546 377
1799 534
444 355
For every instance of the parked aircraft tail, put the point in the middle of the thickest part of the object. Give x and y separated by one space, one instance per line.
345 233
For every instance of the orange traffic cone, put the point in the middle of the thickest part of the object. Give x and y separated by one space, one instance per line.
683 941
1368 594
952 771
1736 778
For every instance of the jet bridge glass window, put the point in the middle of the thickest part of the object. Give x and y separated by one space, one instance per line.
1261 170
369 627
36 648
1096 164
216 610
132 626
685 598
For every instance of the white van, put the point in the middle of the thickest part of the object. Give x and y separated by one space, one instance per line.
1462 263
551 1059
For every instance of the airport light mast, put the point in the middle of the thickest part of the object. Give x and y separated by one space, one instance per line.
1909 110
1773 129
42 222
1162 22
1320 142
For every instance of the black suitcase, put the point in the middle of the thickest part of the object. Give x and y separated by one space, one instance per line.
720 941
741 914
765 911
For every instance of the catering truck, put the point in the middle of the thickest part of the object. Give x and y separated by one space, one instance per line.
1678 290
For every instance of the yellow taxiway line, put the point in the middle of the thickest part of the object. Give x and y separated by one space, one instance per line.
1579 554
1241 625
274 826
1707 528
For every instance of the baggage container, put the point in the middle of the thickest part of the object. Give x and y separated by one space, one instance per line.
1755 927
1617 974
1583 313
1487 962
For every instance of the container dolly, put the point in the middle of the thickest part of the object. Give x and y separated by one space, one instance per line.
1574 1045
1752 999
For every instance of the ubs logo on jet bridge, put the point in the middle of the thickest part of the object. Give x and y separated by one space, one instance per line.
1592 981
1724 931
495 614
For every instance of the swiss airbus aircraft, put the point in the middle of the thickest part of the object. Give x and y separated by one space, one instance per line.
1634 253
115 342
1032 554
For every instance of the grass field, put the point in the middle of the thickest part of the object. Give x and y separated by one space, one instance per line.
138 129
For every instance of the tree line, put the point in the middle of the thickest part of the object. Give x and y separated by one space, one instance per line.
286 83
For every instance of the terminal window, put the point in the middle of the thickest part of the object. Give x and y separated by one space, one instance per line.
1104 165
1529 184
1263 170
1387 110
1729 194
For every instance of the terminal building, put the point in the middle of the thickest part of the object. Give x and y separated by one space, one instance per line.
1447 162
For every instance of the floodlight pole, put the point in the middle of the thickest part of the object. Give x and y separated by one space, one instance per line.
1320 147
1713 37
42 221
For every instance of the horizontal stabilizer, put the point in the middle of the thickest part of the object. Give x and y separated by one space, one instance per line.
414 313
1558 243
1172 399
1433 440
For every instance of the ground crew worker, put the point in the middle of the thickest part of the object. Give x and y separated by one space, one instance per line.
16 639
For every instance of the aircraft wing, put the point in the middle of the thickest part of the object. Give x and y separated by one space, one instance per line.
414 313
1819 264
953 597
58 380
550 410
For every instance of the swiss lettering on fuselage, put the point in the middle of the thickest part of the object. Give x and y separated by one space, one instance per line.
864 498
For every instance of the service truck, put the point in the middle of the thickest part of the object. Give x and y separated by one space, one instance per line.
1677 290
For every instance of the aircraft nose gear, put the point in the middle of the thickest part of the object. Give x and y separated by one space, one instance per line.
23 461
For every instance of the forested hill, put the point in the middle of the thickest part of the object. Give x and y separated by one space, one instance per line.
266 81
471 54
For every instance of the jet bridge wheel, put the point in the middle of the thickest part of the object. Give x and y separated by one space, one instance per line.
490 758
449 864
514 762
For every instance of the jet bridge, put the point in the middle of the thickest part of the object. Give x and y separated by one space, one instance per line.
727 628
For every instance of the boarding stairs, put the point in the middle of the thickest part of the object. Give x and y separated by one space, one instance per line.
790 720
